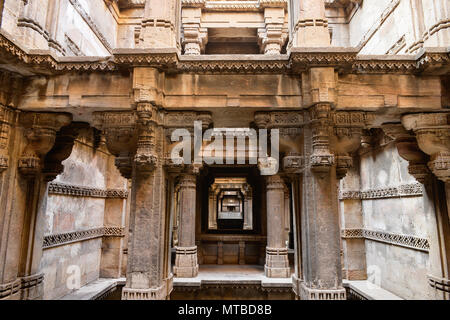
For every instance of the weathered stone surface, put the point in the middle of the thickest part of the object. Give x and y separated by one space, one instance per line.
91 93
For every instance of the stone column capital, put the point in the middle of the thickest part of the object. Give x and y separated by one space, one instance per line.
275 182
293 163
187 181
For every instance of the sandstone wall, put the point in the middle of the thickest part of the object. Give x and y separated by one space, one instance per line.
388 211
91 168
66 27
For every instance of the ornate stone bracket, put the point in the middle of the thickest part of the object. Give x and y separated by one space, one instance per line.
62 149
40 132
348 127
409 150
432 132
120 132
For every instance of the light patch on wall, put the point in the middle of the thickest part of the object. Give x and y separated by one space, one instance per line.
382 177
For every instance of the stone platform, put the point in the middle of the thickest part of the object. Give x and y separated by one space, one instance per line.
231 282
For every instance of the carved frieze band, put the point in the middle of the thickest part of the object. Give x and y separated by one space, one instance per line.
60 239
400 240
77 191
406 190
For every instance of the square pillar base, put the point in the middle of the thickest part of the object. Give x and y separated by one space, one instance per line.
161 293
307 293
186 265
277 263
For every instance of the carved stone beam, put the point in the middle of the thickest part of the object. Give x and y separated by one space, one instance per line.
409 150
62 149
432 132
40 132
6 120
120 130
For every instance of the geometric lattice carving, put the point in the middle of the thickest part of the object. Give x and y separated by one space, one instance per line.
55 240
77 191
400 240
406 190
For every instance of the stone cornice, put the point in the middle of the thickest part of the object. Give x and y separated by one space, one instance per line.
401 240
238 5
29 62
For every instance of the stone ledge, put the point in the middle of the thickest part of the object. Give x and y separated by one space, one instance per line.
95 289
369 291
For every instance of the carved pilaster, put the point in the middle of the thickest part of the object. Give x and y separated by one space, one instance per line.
6 120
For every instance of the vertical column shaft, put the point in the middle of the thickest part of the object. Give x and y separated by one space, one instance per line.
277 263
186 265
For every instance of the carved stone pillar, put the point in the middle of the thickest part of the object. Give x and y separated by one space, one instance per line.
158 28
40 134
322 273
147 279
194 36
273 37
277 263
6 119
310 26
10 284
248 208
186 265
212 208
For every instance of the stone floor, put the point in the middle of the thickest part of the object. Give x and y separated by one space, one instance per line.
221 276
232 274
